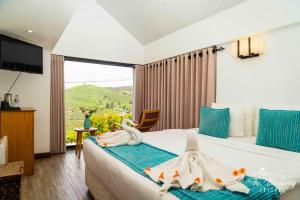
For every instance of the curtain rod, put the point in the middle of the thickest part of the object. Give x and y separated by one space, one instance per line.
214 50
101 62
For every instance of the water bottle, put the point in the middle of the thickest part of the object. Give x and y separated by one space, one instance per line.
16 101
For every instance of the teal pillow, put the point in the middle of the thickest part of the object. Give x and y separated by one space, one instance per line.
279 129
214 122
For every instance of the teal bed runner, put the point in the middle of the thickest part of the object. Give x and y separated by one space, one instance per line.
143 155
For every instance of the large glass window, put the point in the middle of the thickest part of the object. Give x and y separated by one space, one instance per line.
103 90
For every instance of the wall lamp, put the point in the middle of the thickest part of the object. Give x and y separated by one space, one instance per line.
249 47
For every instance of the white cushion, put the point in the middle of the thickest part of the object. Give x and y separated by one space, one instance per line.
271 107
249 115
237 120
3 150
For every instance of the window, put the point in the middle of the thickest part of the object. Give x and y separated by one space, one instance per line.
105 89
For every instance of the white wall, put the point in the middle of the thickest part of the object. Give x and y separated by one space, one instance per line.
246 18
272 78
92 33
34 91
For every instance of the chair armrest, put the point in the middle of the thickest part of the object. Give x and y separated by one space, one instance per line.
116 127
117 124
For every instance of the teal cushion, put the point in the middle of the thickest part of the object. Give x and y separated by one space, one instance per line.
279 129
214 122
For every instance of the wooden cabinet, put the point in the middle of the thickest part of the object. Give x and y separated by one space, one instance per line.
18 126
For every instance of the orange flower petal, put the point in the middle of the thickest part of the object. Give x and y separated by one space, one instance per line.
242 171
197 180
219 181
235 173
176 174
161 176
104 144
148 169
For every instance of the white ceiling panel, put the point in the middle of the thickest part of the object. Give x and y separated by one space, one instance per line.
47 18
92 33
148 20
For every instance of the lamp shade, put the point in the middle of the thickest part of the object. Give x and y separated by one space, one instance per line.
257 46
244 47
250 47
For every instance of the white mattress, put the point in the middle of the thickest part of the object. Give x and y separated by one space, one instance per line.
251 139
124 183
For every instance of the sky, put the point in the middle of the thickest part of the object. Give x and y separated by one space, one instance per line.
79 73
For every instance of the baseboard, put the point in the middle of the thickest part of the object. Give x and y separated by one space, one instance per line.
42 155
71 147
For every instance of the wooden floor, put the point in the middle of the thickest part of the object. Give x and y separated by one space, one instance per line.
60 177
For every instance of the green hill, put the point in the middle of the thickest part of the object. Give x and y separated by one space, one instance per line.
105 99
94 96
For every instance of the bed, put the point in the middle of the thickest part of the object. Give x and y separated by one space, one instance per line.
109 178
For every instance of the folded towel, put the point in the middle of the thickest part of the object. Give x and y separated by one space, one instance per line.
128 136
197 171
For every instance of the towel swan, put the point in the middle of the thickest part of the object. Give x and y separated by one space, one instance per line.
196 171
127 136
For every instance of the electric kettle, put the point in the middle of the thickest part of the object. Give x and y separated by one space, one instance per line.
8 100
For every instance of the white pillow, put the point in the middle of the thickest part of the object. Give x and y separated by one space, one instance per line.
237 120
249 115
271 107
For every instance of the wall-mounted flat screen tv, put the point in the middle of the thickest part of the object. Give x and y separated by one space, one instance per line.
17 55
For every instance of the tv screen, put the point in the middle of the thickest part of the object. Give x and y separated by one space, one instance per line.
17 55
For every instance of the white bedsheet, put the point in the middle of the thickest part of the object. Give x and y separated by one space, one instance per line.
251 139
276 164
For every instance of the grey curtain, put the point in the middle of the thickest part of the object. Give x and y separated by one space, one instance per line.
178 87
57 106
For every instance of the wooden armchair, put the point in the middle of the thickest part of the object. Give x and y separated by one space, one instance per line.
148 119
